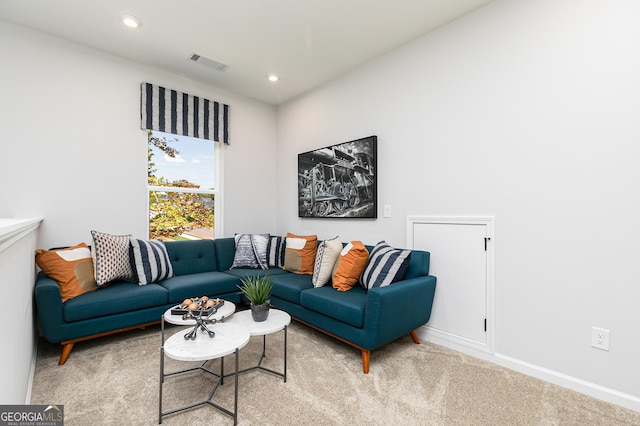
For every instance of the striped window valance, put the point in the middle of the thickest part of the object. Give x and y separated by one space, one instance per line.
170 111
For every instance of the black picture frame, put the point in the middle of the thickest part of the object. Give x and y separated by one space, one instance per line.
339 181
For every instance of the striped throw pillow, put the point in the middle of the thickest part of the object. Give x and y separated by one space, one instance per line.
150 261
275 252
386 266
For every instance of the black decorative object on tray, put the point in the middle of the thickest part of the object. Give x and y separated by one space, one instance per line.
199 309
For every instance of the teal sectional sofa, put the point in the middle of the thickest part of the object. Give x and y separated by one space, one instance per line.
365 319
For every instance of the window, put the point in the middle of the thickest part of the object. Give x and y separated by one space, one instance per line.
183 189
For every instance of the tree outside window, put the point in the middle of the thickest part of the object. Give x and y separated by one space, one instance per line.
181 187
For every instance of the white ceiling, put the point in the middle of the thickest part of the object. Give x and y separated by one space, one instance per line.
305 42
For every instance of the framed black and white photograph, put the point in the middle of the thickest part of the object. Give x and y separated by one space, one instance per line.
339 180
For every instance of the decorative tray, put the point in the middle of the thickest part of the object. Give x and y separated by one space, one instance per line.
201 306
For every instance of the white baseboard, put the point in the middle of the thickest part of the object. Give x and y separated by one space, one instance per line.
443 338
32 370
588 388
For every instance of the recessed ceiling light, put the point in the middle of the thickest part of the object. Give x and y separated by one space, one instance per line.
131 21
272 78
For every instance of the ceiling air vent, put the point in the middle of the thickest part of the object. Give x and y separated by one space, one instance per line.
211 63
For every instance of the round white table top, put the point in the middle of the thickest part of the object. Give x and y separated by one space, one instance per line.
276 321
224 311
228 338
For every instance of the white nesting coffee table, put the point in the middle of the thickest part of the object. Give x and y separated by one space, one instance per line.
276 321
229 338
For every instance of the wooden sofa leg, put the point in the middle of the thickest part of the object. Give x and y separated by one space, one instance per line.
366 357
414 336
66 351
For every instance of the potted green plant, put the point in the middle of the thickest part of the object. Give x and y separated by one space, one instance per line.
257 289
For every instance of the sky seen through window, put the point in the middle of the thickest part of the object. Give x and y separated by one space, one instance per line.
194 162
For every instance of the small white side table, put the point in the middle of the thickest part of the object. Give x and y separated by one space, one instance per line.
276 321
228 339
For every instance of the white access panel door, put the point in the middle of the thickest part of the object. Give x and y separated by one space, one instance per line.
459 259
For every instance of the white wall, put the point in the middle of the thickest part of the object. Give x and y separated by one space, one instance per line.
73 151
17 273
527 111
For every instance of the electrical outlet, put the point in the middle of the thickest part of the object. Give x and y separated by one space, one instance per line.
600 338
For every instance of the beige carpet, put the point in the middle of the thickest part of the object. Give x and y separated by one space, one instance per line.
114 381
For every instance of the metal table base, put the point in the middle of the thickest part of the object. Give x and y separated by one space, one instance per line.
263 355
208 401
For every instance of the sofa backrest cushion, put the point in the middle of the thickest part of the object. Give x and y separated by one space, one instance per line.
193 256
225 252
418 265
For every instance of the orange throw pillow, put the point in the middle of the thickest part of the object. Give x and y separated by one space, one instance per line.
300 253
349 266
71 267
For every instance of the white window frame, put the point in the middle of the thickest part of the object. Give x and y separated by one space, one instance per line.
218 152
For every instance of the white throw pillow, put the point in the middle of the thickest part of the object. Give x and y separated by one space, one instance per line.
326 256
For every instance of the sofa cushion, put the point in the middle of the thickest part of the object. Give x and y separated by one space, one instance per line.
244 272
150 261
326 256
225 250
349 266
386 266
120 296
348 307
288 286
71 267
192 258
275 252
250 251
199 284
111 257
418 265
300 253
